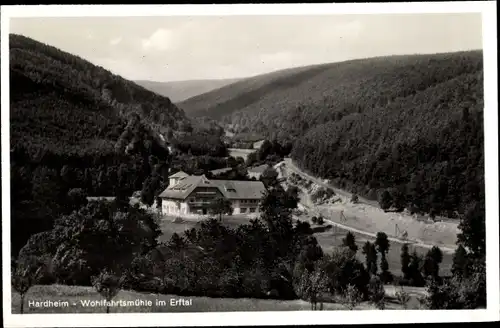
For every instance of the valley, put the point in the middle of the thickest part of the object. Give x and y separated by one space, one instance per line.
370 176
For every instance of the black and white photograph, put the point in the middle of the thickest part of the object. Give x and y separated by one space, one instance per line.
280 164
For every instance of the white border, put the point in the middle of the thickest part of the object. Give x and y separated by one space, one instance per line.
488 10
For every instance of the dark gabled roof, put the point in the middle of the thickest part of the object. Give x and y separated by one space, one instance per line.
179 174
235 189
231 189
185 187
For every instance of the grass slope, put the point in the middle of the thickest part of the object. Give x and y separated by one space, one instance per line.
76 295
328 239
181 90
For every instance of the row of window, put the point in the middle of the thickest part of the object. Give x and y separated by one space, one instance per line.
249 201
251 210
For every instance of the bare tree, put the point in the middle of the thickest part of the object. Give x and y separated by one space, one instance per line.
312 285
403 298
352 297
108 285
25 274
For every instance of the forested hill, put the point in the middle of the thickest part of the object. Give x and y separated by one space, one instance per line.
77 130
409 125
77 103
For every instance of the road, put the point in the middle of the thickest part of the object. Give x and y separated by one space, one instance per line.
292 167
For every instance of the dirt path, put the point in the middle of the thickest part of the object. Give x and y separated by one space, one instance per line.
367 218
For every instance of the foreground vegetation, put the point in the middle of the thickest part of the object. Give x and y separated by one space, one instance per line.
269 257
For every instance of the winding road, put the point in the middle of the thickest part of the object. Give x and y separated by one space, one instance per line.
290 166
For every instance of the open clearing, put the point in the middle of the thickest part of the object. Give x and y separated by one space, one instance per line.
368 217
240 152
75 295
328 239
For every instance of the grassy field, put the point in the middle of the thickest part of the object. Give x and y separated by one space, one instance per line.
240 152
333 237
75 296
169 227
328 240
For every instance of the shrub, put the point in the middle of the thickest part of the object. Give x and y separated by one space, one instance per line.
343 269
107 284
320 220
354 199
351 297
403 298
377 292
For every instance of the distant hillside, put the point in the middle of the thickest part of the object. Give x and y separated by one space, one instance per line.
237 96
411 124
181 90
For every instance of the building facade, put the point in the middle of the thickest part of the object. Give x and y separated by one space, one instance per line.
194 195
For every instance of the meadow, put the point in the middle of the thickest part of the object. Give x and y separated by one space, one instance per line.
328 239
77 295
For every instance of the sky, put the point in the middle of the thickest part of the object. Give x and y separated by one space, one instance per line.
174 48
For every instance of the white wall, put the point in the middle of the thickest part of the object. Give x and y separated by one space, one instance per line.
169 207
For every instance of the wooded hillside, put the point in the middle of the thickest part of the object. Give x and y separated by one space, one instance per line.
76 129
411 124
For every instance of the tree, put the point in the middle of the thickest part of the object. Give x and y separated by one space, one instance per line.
354 198
405 261
320 220
269 177
377 292
77 198
100 236
385 200
349 241
383 245
432 260
176 242
430 267
370 257
343 268
398 199
414 273
107 284
473 230
403 298
311 285
150 189
25 274
351 297
220 206
460 262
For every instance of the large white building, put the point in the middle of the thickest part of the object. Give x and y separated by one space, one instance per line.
189 195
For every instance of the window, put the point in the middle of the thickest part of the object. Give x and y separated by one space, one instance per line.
243 210
252 210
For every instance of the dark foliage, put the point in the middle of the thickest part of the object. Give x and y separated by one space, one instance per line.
349 241
370 253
